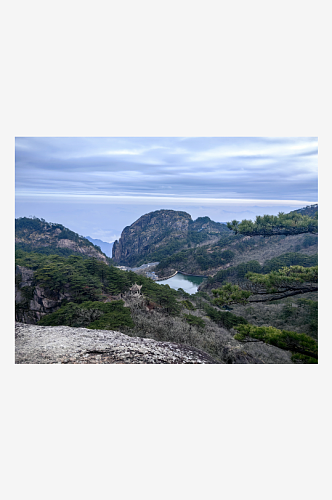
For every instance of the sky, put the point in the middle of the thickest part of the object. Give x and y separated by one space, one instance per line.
97 186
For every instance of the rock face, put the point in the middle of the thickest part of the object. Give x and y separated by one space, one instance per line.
63 344
33 234
33 302
162 229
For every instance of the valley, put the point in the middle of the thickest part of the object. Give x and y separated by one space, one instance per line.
160 285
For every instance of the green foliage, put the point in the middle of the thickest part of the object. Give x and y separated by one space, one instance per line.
284 277
27 292
238 273
224 318
291 341
166 297
289 259
70 275
230 294
267 225
188 305
25 226
88 279
31 229
94 315
194 320
49 250
197 257
201 295
182 293
303 359
208 257
226 239
157 255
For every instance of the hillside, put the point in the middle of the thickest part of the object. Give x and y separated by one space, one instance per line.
161 233
37 235
231 250
309 210
201 247
83 293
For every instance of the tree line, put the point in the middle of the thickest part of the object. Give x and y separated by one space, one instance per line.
269 225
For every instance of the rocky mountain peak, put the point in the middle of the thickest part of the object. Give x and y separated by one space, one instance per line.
161 233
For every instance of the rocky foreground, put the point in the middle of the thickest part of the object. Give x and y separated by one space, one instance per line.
63 344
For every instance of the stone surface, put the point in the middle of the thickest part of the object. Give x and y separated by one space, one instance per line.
62 344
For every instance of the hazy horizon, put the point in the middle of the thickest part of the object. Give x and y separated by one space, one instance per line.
97 186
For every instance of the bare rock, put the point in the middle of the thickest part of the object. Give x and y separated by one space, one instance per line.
63 344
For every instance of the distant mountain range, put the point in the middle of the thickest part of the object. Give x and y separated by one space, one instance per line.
104 246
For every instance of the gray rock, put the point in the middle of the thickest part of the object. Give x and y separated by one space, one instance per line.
36 344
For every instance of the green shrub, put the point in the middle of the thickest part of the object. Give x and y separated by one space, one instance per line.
304 359
224 318
298 343
194 320
95 315
188 305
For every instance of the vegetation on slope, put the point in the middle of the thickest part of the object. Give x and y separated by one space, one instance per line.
285 282
299 313
269 225
236 274
94 315
92 280
297 343
159 234
165 314
37 235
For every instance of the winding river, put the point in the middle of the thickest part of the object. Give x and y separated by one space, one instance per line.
188 283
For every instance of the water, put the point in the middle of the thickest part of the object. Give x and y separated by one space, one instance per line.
188 283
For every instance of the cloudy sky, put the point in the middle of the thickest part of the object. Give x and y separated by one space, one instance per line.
97 186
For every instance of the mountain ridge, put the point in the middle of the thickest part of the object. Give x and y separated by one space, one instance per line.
37 235
161 233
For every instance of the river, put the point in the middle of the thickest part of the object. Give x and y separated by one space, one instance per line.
188 283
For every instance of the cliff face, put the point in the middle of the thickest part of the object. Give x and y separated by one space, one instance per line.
35 234
159 233
33 302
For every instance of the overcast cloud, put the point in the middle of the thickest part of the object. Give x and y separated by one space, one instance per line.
218 176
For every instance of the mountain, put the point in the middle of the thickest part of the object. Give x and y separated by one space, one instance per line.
73 292
309 210
103 245
37 235
232 249
161 233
